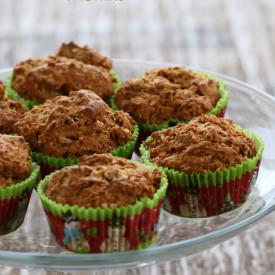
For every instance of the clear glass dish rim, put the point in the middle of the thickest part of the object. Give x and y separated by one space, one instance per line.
153 252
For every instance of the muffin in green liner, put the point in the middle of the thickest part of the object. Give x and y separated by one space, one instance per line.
121 227
146 83
63 129
17 179
18 176
12 94
209 192
14 202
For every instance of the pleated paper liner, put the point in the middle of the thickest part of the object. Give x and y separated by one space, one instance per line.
97 230
12 94
14 201
147 129
210 193
49 164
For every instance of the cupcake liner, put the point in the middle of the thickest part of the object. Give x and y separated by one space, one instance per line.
12 94
96 230
50 163
14 201
211 200
210 193
218 110
127 149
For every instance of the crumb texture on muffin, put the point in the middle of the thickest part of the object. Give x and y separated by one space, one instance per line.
10 112
205 144
168 93
43 79
14 160
103 181
74 126
85 54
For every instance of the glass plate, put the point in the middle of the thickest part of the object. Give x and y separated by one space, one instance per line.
32 245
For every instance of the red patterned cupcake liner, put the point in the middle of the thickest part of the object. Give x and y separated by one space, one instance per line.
14 201
13 211
211 200
108 235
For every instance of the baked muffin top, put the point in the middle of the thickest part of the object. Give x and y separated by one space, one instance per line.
85 54
168 93
10 112
42 79
15 163
207 143
103 181
74 126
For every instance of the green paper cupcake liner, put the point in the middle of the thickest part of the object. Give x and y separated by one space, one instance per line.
211 178
12 94
125 151
210 193
90 230
218 110
14 201
94 214
17 189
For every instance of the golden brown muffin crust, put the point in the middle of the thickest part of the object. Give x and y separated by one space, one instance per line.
74 126
14 160
103 181
85 54
205 144
47 78
10 112
168 93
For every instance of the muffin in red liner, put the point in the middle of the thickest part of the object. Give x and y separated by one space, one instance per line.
211 165
73 67
105 204
17 178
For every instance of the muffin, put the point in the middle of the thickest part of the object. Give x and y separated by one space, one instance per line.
164 97
10 112
36 80
17 178
104 204
63 129
211 165
90 56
